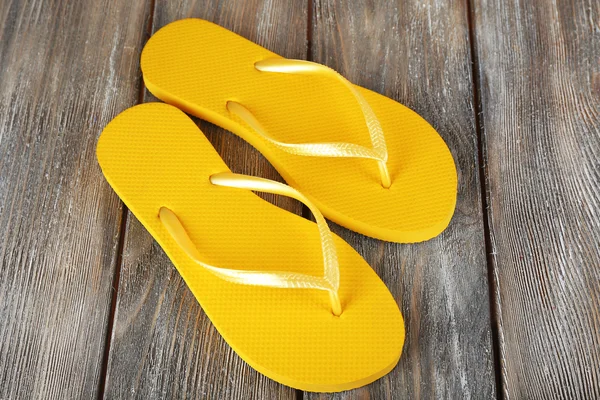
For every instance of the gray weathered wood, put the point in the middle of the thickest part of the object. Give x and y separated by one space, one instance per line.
163 345
66 68
417 52
539 68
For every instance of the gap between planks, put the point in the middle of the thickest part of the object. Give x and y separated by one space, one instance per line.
121 245
482 156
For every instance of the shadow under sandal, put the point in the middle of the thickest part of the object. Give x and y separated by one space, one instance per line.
366 161
293 300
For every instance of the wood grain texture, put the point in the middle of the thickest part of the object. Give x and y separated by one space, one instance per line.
417 52
163 345
539 68
66 68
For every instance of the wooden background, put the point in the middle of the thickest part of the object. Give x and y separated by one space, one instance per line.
504 304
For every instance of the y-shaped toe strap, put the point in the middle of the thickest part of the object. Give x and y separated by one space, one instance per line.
328 282
379 150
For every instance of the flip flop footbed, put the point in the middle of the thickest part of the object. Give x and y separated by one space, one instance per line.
154 156
199 66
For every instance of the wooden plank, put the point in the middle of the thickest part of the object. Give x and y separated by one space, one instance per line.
417 52
163 345
540 100
66 67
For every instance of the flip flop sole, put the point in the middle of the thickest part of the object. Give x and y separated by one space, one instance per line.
153 155
199 66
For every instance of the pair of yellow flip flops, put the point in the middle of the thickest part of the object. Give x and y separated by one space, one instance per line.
364 160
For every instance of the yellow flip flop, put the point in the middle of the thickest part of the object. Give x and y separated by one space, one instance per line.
366 161
293 300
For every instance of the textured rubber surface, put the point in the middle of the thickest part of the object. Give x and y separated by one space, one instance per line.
153 155
198 66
